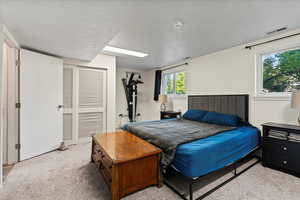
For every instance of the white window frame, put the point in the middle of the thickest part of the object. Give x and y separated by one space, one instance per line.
174 83
259 93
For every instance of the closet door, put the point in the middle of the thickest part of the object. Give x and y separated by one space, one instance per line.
91 102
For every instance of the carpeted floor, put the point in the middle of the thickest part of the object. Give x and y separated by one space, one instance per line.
69 175
6 170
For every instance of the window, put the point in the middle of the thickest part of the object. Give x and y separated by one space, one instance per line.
280 71
174 83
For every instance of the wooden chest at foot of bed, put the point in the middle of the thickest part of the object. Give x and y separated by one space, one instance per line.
126 162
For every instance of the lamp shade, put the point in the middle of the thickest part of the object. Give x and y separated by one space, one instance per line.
163 98
295 101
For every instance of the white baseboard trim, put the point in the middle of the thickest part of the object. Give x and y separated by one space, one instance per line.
80 141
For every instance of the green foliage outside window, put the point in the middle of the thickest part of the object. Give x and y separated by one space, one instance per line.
180 83
281 71
169 85
174 83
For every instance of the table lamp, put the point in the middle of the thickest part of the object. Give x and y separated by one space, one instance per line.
163 101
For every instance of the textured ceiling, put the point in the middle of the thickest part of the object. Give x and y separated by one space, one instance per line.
80 29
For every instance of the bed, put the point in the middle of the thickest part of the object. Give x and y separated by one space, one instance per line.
216 152
211 152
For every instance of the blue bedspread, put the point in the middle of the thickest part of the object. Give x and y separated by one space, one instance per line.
203 156
206 155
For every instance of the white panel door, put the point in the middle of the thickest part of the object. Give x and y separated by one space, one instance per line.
41 97
91 102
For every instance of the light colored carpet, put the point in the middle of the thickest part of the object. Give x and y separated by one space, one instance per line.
69 175
6 170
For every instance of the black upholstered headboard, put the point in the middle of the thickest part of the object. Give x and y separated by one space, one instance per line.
227 104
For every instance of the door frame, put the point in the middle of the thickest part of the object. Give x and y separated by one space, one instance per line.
75 104
73 110
12 95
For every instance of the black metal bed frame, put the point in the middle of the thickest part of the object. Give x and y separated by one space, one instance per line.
192 181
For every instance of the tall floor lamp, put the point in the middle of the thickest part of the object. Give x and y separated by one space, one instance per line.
295 102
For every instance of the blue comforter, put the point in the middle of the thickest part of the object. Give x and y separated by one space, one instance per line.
206 155
168 134
203 156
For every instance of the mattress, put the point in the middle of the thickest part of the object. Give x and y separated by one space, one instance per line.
168 134
206 155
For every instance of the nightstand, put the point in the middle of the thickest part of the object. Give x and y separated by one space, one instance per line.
281 147
169 114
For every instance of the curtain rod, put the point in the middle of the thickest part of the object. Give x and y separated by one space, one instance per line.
175 66
269 41
138 73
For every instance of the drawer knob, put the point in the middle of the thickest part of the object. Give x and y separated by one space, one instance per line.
284 148
99 151
285 162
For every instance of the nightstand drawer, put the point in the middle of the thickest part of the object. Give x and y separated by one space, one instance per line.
279 163
276 146
286 163
281 147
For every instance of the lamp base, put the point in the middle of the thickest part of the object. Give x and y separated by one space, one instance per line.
163 107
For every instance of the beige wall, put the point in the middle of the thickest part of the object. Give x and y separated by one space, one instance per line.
232 71
109 63
149 109
121 104
145 96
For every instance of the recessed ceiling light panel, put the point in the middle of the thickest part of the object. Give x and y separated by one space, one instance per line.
124 51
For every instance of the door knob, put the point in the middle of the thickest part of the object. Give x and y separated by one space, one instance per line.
285 162
59 107
284 148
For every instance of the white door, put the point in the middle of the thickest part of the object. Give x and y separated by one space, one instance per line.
41 97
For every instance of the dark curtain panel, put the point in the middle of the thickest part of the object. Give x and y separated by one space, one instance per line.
157 84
